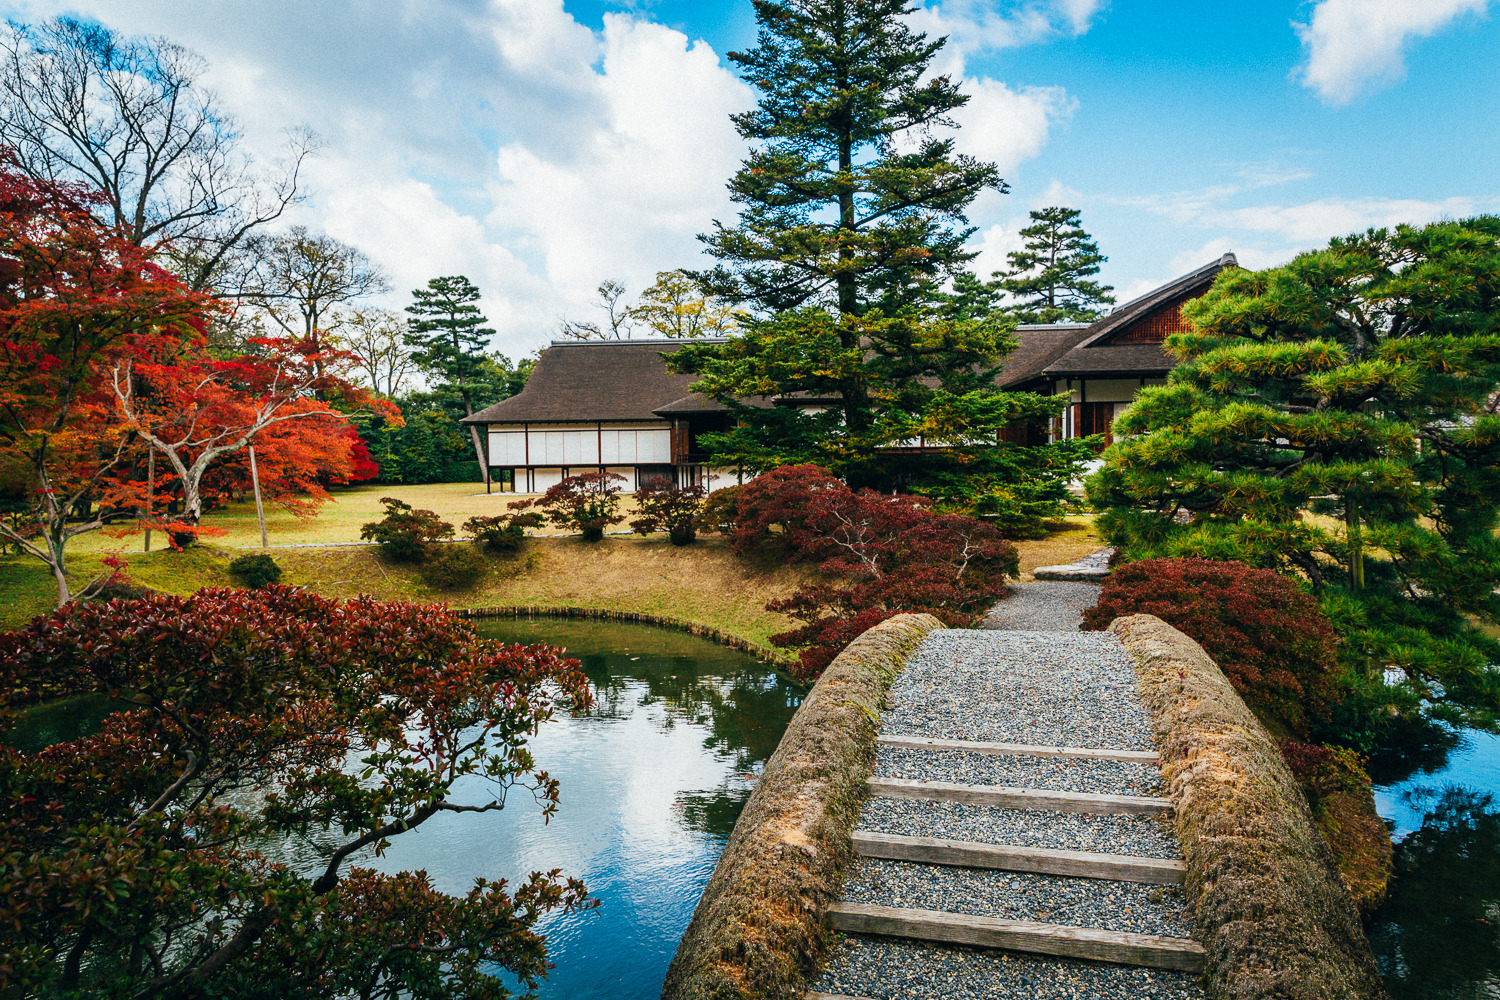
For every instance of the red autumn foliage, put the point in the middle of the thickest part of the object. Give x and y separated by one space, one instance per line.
249 720
664 507
587 503
75 297
896 554
1267 634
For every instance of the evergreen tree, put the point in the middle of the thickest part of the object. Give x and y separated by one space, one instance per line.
1336 419
852 222
448 335
1049 278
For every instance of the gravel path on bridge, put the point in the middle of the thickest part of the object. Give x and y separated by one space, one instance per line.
1029 677
1043 604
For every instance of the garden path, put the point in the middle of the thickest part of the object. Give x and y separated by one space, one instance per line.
1015 826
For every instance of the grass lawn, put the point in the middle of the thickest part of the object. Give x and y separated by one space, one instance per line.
338 520
702 582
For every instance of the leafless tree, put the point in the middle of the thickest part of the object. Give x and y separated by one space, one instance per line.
376 337
298 280
610 293
128 117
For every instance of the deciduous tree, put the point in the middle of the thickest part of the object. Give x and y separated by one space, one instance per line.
74 297
150 860
675 306
1333 419
129 117
194 409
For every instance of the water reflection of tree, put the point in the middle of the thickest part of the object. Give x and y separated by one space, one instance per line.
745 707
1439 933
714 812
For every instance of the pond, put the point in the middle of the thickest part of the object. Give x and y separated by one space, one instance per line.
652 781
1438 935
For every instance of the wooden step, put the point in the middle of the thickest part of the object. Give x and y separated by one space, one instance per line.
1148 950
1017 798
1017 749
1012 858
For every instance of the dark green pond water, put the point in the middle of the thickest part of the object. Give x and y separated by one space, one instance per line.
652 780
1438 935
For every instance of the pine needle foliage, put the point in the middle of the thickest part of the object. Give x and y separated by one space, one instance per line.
852 224
1337 419
1051 277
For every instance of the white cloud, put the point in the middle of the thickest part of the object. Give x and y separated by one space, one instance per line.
1356 45
630 198
973 26
1009 126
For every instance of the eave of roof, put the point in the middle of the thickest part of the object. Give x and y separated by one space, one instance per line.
1085 358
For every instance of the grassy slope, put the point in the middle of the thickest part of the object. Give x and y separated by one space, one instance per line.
701 582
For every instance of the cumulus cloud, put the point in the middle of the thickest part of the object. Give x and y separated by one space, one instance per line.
508 141
1356 45
981 25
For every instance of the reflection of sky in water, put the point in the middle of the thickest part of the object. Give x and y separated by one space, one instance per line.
1474 765
650 787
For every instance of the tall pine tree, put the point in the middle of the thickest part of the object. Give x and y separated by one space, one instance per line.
1050 277
853 222
448 335
1337 419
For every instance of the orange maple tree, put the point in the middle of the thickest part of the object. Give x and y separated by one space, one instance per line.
75 297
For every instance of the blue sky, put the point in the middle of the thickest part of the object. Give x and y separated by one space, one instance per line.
540 146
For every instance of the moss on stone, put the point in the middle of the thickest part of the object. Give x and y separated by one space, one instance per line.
758 929
1267 900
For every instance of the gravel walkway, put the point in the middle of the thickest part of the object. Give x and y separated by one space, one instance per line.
1078 902
1069 774
1043 604
1145 836
1042 688
1028 677
895 969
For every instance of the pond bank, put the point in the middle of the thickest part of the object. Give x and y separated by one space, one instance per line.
777 657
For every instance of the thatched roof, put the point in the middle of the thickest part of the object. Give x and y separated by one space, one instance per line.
610 380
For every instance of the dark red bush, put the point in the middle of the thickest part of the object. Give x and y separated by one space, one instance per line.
896 554
1268 635
664 507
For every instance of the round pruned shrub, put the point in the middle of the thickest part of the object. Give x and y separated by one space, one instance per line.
1264 631
404 534
502 533
453 567
255 571
665 507
586 503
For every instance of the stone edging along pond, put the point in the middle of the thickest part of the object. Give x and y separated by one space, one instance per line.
1267 901
758 929
776 657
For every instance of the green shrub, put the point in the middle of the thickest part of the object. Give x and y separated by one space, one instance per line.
255 571
404 534
1265 632
453 567
503 532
